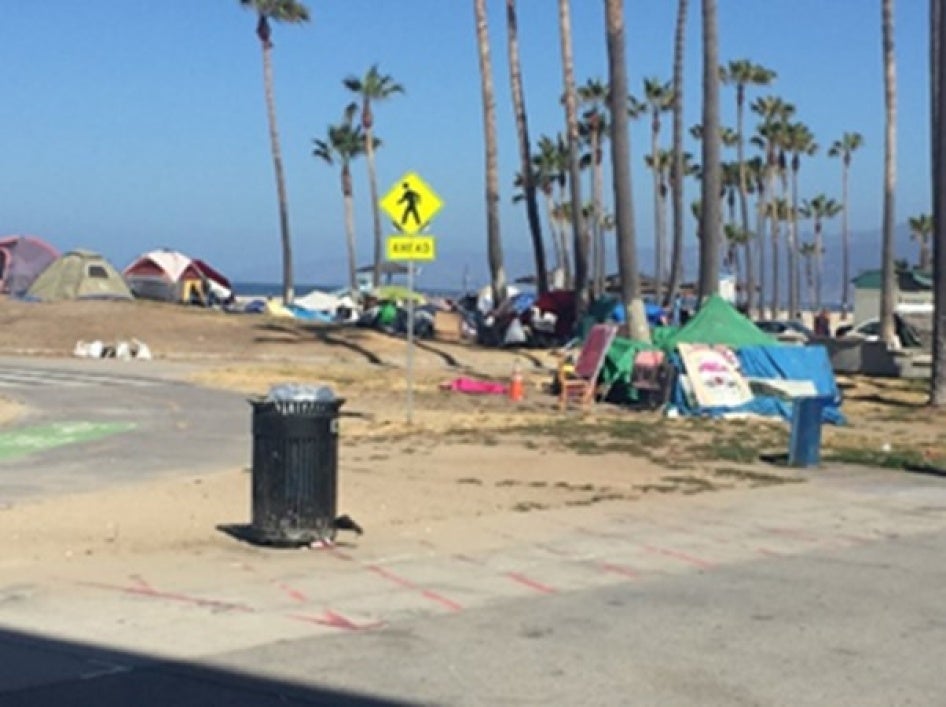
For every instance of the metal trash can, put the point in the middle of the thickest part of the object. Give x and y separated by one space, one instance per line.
804 447
295 470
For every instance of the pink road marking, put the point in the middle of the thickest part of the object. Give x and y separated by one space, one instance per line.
341 555
331 619
619 569
407 584
293 593
530 583
173 596
682 556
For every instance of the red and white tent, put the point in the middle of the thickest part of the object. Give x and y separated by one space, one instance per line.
173 276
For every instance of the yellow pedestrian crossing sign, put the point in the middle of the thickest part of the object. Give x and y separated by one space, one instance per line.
420 248
411 203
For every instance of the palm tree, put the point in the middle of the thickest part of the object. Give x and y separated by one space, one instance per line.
818 209
594 95
550 163
774 113
289 12
809 252
494 244
742 73
343 143
844 148
755 169
660 165
938 161
888 282
921 229
522 132
799 141
778 212
658 98
709 218
676 181
372 88
574 166
636 326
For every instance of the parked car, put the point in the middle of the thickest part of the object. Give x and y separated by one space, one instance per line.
787 330
869 330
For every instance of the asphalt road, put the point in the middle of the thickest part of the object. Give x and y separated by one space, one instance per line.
177 427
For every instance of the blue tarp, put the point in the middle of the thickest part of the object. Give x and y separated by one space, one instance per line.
782 362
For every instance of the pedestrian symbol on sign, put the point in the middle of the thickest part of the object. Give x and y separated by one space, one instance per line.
410 199
411 204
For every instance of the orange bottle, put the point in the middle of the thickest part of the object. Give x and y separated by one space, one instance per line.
516 387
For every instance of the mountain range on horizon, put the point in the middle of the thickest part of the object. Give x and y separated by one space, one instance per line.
460 268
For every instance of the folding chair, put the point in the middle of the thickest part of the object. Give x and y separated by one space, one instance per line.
582 382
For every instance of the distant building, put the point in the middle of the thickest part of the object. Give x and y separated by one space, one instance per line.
914 289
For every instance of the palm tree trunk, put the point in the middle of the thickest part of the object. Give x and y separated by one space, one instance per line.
658 235
574 168
676 183
744 199
710 213
636 320
599 261
522 131
845 246
563 243
553 227
819 265
774 225
347 196
493 238
938 108
288 290
794 271
888 284
760 231
375 208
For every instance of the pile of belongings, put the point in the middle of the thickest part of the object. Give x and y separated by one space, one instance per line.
122 350
719 364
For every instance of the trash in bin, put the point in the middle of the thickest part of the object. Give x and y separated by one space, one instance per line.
804 448
295 466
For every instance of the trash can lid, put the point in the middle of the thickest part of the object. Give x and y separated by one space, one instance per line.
300 393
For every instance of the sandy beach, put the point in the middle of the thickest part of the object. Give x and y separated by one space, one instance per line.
464 456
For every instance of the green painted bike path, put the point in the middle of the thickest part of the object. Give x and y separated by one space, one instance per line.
30 440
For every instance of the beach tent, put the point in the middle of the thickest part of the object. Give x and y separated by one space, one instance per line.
718 322
172 276
22 259
79 274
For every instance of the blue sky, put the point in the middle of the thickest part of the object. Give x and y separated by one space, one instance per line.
133 124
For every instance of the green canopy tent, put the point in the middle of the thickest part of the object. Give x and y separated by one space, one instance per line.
718 322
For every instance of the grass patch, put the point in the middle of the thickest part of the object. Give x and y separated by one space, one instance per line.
894 459
755 478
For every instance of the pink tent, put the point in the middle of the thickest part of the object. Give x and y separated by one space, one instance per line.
22 259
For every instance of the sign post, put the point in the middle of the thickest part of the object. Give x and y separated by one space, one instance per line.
411 204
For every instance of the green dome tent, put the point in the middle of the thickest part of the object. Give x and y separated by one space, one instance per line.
79 274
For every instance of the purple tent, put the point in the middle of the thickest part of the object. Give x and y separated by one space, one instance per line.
22 259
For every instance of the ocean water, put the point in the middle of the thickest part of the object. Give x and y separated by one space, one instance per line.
274 289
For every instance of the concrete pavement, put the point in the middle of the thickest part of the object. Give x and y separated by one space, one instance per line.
827 592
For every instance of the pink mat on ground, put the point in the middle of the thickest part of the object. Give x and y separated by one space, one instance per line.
474 387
